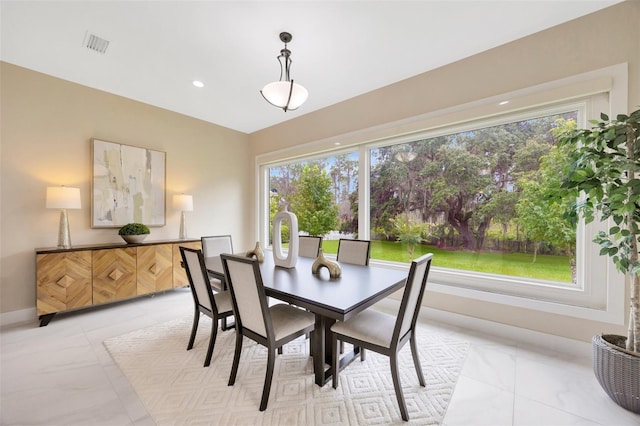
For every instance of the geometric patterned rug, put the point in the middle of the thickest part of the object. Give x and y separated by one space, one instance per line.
176 388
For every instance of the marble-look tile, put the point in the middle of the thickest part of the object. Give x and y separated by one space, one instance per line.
477 403
531 413
130 400
491 365
62 395
63 375
574 390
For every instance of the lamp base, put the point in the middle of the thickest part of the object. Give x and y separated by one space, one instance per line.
64 236
183 227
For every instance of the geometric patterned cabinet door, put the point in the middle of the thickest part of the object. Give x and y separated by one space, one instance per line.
155 267
114 274
179 274
63 281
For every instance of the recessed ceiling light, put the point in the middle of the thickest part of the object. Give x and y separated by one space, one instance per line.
337 143
503 103
198 83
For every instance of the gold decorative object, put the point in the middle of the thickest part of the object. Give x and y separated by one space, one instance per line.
321 261
257 252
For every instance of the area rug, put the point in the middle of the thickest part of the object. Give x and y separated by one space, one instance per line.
177 390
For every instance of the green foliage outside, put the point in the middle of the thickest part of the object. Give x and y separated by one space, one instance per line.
313 203
409 232
488 196
547 267
540 206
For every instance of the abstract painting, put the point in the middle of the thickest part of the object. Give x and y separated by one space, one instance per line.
128 185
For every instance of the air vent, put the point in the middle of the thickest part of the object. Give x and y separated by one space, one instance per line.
96 44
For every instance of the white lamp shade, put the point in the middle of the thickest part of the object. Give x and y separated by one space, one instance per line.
62 197
183 202
277 93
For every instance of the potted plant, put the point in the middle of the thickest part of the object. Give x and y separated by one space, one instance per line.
134 233
605 168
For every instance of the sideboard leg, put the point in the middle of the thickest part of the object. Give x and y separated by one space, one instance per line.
44 319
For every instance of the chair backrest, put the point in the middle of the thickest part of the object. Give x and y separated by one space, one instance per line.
354 251
216 245
196 269
249 299
412 297
309 246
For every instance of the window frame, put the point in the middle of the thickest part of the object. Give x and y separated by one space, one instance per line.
598 294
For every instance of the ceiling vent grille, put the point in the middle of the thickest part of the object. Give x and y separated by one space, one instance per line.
96 44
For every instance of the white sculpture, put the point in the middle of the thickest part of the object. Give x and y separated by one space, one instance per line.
279 258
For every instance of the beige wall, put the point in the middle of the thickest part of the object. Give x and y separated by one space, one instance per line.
596 41
46 131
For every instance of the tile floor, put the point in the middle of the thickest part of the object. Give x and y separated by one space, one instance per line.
62 374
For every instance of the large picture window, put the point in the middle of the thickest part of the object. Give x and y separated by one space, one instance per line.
478 193
480 199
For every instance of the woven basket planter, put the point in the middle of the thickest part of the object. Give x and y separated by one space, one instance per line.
617 370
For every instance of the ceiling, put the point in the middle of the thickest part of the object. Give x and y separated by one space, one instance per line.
340 49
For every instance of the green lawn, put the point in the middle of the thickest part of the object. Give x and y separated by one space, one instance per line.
553 268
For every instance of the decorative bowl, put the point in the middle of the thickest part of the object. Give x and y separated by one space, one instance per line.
134 239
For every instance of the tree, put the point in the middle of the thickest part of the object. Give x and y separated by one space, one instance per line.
458 186
313 202
541 207
409 232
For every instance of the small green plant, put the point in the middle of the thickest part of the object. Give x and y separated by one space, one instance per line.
409 232
134 229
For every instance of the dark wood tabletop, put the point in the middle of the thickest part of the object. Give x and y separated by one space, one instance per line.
356 289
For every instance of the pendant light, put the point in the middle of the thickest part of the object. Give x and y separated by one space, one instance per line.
285 93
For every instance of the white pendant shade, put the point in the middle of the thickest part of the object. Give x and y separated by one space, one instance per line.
277 94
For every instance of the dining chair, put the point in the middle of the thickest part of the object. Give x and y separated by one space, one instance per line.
309 246
386 334
215 306
353 251
270 326
215 245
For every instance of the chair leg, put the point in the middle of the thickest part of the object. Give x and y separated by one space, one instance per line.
363 354
398 388
341 347
335 360
280 350
236 359
212 341
416 359
194 329
271 359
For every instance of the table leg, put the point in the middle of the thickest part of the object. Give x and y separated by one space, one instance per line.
319 351
322 351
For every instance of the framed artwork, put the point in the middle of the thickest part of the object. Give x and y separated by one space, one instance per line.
128 185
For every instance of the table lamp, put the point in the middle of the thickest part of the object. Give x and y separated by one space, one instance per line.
184 203
63 198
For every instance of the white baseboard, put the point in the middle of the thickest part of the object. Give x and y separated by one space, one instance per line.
16 317
518 335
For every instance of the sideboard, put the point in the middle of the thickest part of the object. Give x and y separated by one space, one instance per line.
91 275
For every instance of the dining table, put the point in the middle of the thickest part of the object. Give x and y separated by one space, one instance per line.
329 299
